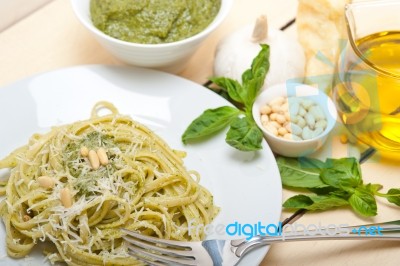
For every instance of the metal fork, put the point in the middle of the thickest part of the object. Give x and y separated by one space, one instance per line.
155 251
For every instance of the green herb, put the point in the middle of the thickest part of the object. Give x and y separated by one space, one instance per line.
210 122
233 88
335 183
363 202
301 173
314 202
341 173
243 133
393 196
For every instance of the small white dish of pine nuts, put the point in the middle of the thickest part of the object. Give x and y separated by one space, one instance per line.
295 118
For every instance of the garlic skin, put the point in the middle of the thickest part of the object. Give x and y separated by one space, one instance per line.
235 54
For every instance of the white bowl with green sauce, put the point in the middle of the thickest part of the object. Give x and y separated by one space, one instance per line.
160 34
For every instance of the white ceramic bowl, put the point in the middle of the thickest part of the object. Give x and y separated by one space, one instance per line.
170 57
292 148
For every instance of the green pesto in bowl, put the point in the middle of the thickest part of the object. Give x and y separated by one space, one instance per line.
153 21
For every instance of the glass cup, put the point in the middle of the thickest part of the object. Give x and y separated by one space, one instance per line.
367 82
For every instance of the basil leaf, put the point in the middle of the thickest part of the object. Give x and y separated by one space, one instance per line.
341 194
396 196
234 89
210 122
314 203
252 87
373 187
312 163
247 76
323 190
253 78
301 173
363 202
326 202
298 202
244 134
342 173
350 166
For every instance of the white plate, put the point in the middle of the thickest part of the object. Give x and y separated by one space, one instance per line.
246 185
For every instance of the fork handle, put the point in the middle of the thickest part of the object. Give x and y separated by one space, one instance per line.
379 231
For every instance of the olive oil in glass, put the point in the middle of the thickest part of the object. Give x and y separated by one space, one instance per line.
368 92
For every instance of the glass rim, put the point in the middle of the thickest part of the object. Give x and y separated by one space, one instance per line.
350 24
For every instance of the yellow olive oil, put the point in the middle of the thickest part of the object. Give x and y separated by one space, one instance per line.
368 94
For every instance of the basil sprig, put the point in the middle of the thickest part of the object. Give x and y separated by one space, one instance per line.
334 183
243 133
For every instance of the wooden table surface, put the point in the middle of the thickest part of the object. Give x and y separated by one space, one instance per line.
52 38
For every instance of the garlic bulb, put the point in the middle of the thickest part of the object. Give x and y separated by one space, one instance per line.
235 53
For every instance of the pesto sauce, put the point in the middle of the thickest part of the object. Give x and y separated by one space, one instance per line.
153 21
75 163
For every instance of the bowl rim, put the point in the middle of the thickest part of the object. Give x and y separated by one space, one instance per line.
223 12
332 116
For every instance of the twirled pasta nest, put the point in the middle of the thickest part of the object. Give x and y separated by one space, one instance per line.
59 193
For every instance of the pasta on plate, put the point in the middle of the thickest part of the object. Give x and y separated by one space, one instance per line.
79 184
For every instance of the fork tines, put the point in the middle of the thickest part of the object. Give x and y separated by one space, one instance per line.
155 251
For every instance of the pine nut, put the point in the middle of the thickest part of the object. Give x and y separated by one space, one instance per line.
288 136
84 151
295 129
287 116
94 160
310 119
276 108
294 109
66 197
103 158
277 101
306 103
265 110
318 131
282 131
264 118
307 133
280 119
302 111
321 123
272 129
274 124
301 122
272 117
45 182
26 218
289 127
344 139
294 119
